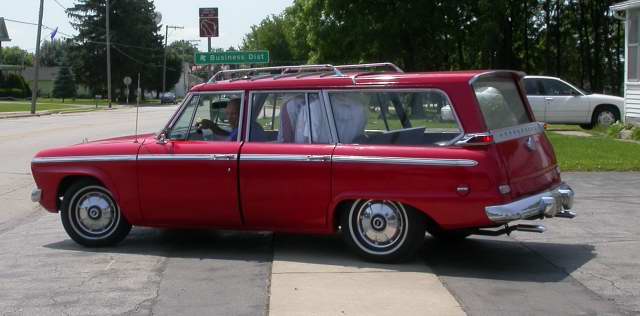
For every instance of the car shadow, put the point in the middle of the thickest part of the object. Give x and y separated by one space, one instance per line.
497 258
186 243
504 258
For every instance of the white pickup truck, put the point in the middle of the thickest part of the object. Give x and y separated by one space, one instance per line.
556 101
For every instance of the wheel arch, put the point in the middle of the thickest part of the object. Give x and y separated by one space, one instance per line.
74 174
604 106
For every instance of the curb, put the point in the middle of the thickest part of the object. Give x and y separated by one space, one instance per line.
10 116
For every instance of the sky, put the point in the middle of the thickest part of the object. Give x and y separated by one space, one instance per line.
236 19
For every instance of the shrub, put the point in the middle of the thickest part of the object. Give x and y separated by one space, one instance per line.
614 129
635 135
11 81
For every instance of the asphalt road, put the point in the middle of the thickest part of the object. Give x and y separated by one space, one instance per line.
585 266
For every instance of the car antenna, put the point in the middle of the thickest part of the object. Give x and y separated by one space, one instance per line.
137 110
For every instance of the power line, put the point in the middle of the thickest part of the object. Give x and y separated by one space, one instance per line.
89 41
36 24
139 61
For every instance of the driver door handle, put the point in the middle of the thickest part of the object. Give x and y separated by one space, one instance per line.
224 157
548 99
318 158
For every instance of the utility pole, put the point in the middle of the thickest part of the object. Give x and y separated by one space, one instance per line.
36 62
108 58
164 63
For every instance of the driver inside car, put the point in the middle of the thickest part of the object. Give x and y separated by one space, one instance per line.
232 111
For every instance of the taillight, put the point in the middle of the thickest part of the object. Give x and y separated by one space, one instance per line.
475 140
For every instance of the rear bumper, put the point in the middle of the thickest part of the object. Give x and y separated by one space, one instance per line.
546 204
36 195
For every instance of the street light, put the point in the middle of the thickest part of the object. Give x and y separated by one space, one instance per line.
164 63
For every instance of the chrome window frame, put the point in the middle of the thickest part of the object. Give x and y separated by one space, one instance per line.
332 136
382 89
197 94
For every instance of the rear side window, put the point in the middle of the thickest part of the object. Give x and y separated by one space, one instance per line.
532 86
500 102
291 117
394 117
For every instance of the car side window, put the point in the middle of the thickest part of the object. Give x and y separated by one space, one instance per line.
180 128
423 118
555 87
216 118
291 117
532 86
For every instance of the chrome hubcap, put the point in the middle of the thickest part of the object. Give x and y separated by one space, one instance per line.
380 223
95 212
606 118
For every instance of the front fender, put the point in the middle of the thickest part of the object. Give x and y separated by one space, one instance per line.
49 177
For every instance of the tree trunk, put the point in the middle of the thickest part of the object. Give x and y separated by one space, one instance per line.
547 47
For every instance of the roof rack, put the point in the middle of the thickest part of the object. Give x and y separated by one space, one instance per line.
278 72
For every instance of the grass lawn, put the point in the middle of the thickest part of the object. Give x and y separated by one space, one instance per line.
595 153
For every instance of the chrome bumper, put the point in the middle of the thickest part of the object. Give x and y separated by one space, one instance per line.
36 195
551 203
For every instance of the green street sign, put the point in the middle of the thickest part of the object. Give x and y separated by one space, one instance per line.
233 57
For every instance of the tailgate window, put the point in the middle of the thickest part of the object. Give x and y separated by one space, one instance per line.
500 102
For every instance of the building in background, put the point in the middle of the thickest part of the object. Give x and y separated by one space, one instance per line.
187 80
629 11
46 77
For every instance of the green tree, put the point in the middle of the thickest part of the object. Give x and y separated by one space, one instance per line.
64 86
16 56
184 49
578 40
136 45
52 52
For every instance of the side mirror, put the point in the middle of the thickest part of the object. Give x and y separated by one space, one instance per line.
162 139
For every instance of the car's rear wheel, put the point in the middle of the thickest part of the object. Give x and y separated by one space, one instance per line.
382 230
91 216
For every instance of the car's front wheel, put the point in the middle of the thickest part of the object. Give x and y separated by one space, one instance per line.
382 230
91 216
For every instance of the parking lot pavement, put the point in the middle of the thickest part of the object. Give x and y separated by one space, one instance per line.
585 266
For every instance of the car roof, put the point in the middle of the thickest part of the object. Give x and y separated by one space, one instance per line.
346 80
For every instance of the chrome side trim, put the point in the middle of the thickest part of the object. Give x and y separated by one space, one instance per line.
515 132
276 157
187 157
104 158
407 161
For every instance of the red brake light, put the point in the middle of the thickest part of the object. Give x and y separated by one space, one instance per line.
475 140
486 139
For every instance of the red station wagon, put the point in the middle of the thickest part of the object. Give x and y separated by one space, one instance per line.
381 155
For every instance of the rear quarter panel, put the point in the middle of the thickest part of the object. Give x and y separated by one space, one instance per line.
430 189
